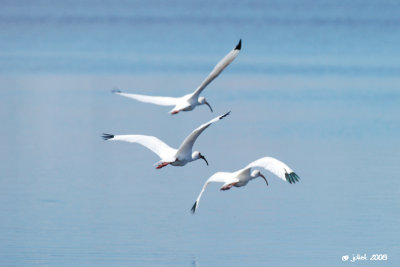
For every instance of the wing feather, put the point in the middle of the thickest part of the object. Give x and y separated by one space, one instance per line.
218 177
158 100
222 64
164 151
187 144
277 167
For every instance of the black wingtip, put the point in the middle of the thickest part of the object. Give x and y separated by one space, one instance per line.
239 45
223 116
292 177
107 136
115 91
194 207
287 177
295 176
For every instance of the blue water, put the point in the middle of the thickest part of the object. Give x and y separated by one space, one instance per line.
316 85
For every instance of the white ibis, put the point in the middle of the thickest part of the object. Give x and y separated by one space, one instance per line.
190 101
243 176
168 155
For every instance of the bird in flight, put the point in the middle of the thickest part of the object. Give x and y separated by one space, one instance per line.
169 155
190 101
243 176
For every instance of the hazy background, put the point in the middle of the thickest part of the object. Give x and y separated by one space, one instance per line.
316 85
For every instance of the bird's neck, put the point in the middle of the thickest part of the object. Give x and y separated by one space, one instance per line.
252 176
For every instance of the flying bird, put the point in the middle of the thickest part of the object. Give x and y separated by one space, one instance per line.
169 155
243 176
190 101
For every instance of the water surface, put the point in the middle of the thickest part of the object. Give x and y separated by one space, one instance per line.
315 85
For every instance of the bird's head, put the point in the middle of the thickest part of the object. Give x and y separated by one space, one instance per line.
257 173
197 155
202 101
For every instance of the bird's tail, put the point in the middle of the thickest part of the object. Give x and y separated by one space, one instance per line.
107 136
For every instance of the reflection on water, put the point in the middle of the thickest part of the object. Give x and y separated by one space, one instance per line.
194 262
316 89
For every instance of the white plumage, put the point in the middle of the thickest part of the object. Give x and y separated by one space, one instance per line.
243 176
190 101
168 155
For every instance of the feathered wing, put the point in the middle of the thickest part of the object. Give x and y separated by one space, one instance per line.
187 144
277 167
158 100
222 64
164 151
218 177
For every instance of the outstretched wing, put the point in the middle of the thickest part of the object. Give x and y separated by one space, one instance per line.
158 100
163 150
186 146
277 167
218 177
218 69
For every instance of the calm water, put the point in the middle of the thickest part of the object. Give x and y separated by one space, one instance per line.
316 85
